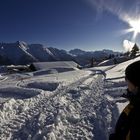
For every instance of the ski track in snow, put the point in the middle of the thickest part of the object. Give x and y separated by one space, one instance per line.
82 110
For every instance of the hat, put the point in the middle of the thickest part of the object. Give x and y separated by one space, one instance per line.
132 73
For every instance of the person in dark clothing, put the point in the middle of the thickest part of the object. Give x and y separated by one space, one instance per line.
128 124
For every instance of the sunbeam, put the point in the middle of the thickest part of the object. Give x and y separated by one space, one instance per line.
134 27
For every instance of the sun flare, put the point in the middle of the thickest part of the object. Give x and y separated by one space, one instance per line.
134 27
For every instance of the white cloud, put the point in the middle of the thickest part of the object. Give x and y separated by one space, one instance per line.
123 9
128 45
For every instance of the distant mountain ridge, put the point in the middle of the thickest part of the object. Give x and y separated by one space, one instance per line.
15 53
87 56
23 53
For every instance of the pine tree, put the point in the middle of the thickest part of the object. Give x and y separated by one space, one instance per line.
134 51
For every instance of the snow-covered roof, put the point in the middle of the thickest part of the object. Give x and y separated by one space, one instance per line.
55 65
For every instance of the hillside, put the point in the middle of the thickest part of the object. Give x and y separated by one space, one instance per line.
79 104
15 53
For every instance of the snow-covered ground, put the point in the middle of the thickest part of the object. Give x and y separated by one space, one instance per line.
75 105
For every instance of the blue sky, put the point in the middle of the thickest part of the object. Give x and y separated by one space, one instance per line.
67 24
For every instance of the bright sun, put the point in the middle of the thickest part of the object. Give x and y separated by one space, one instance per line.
134 27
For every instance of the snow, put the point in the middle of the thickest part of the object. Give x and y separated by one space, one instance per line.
62 65
78 104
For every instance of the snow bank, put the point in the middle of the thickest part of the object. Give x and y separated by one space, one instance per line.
118 70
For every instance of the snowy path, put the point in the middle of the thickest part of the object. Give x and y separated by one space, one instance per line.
72 111
82 109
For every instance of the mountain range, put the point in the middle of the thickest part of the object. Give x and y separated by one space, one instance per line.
20 53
